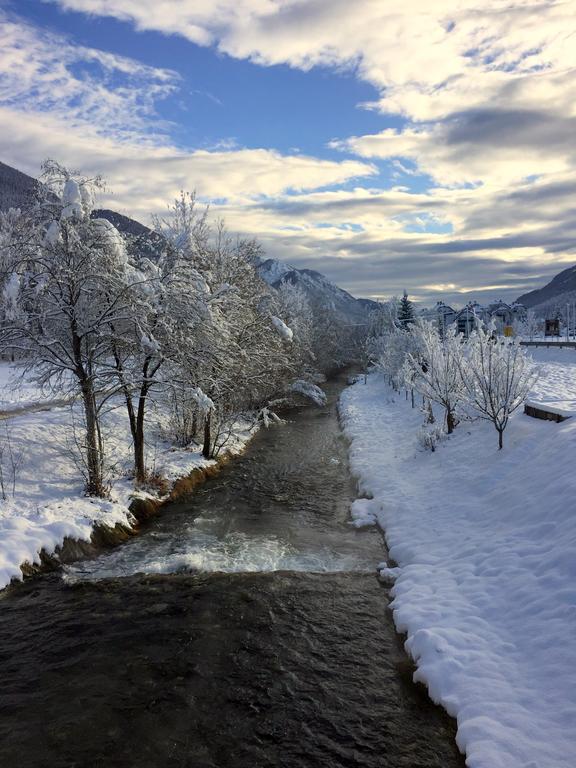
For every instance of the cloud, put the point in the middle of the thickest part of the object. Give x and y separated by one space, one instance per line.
488 96
97 111
143 185
97 91
477 82
428 61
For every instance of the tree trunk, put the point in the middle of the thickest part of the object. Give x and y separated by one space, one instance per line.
207 447
449 421
139 464
95 483
500 439
139 459
412 395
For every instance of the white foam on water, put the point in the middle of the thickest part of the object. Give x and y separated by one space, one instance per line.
233 553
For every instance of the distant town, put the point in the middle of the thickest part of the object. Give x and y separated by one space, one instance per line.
507 319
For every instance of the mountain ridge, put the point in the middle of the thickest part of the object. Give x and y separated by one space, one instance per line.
17 189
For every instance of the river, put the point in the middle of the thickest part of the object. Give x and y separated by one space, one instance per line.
245 627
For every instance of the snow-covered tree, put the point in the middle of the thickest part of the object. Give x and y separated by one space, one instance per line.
246 352
435 368
406 316
497 375
530 326
65 288
391 351
294 307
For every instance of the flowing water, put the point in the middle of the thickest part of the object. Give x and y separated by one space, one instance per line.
244 627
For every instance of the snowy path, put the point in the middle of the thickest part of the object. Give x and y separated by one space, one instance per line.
486 542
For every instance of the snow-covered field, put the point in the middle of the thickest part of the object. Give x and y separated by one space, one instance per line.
556 388
16 393
47 503
485 541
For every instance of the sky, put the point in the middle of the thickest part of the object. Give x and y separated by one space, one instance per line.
390 144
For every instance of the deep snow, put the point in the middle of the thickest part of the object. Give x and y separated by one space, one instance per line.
485 541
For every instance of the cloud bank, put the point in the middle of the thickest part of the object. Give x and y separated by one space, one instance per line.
482 165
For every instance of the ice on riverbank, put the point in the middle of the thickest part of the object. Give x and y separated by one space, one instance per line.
485 541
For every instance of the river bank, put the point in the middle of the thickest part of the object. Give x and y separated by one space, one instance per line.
485 543
46 520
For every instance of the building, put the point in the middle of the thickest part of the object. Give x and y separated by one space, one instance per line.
505 317
467 320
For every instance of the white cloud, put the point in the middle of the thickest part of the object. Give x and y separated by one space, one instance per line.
142 185
433 63
428 60
90 89
488 91
494 148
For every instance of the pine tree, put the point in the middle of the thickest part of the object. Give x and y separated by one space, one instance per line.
405 311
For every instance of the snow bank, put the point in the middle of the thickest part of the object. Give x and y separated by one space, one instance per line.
485 541
309 390
49 504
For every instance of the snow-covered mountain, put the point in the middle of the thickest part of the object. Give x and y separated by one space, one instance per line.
321 293
559 291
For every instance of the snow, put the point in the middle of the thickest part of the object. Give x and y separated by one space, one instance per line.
111 239
49 504
10 295
556 389
53 234
17 393
71 200
282 329
273 270
485 544
204 403
309 390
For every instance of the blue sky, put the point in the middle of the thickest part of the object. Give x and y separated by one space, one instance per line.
388 144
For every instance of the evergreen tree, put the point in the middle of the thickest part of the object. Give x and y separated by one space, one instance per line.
405 311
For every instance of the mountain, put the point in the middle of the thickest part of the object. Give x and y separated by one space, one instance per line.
559 291
321 293
16 188
142 240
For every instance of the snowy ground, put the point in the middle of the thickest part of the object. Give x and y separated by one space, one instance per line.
556 388
47 503
485 542
16 393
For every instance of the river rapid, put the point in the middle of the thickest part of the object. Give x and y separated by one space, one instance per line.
244 627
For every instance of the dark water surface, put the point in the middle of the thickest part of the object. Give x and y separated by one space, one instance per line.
272 646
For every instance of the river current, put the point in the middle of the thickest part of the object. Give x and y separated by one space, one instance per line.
244 627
